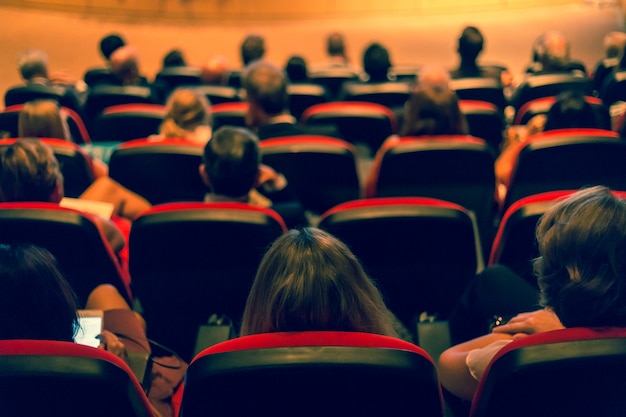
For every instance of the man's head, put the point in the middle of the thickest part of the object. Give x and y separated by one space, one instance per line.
376 62
33 63
471 44
553 52
252 49
109 44
335 45
231 161
214 70
125 64
266 90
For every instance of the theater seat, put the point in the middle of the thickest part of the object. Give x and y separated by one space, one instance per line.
41 377
333 78
125 122
170 78
218 94
550 85
321 171
190 260
481 89
229 114
304 95
81 249
485 121
575 372
389 94
421 251
315 373
160 171
542 105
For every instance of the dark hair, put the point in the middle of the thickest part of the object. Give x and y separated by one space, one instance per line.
376 62
296 69
582 265
433 110
174 58
266 85
29 171
231 160
335 45
252 49
470 43
110 43
36 302
310 280
571 110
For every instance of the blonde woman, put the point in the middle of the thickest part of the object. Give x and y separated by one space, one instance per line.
188 117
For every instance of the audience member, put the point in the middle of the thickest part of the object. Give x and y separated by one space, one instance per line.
470 45
336 50
252 49
581 276
174 58
570 110
614 43
376 63
125 67
310 280
109 44
32 64
297 70
433 76
188 117
213 72
233 171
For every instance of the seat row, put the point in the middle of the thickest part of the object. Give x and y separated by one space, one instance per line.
575 372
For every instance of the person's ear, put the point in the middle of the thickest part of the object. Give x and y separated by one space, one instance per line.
204 175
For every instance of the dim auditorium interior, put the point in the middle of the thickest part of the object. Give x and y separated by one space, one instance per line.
424 215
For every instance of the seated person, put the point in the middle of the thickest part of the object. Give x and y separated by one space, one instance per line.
233 171
188 117
310 280
109 44
376 63
431 110
297 70
174 58
215 71
614 43
470 46
575 290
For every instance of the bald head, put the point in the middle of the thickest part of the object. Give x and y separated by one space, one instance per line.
125 64
553 51
266 86
214 69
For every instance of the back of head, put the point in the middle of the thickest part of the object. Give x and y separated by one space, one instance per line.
36 302
433 110
571 110
174 58
231 160
553 52
433 76
33 63
296 69
310 280
185 111
471 43
266 86
29 171
125 64
42 119
582 268
252 49
335 45
109 44
214 70
376 62
614 43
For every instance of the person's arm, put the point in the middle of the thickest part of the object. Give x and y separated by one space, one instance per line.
530 323
452 368
127 203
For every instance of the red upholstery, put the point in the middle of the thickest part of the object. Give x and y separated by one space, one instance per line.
190 260
39 377
421 251
570 372
321 171
124 122
567 159
76 165
484 120
77 127
482 89
323 373
358 122
229 113
82 250
542 106
161 171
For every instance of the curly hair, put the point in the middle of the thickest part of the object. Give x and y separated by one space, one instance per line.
581 270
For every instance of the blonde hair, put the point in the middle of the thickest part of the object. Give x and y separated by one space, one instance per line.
310 280
42 119
186 110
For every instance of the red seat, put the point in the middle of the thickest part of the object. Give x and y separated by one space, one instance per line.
125 122
389 94
161 171
321 171
421 251
304 95
485 121
315 373
76 166
229 114
542 105
549 85
358 122
81 249
487 89
190 260
567 159
40 377
218 94
572 372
